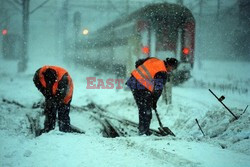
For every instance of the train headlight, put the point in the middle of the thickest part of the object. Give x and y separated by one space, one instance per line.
85 31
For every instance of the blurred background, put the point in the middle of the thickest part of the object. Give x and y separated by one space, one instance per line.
35 30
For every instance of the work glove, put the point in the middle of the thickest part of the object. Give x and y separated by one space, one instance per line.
51 103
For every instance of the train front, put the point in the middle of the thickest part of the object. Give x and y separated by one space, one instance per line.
168 30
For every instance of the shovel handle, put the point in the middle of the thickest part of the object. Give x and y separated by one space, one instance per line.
158 118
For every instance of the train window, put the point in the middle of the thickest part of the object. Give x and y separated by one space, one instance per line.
166 35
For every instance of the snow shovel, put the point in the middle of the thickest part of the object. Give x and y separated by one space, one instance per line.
163 130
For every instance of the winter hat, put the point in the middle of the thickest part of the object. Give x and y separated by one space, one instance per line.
50 75
172 62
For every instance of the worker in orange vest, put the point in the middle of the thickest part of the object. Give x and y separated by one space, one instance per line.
146 83
57 87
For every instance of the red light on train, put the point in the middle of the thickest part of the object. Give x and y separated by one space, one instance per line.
145 50
185 51
4 31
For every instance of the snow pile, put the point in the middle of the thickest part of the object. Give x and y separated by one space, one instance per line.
191 101
226 141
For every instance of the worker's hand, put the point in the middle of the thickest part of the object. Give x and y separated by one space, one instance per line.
50 102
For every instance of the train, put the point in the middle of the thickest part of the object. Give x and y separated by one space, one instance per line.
157 30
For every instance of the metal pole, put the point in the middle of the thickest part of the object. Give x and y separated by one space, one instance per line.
167 90
218 9
201 6
22 66
64 27
77 24
199 127
223 104
127 6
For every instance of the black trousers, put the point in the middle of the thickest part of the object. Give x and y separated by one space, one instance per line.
52 107
143 99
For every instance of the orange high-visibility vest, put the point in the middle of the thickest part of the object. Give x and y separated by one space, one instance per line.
60 72
145 73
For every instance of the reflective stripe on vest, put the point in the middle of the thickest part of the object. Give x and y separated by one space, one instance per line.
145 73
60 72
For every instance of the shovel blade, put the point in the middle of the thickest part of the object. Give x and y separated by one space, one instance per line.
166 131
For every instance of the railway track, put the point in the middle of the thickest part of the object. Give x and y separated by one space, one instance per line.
111 126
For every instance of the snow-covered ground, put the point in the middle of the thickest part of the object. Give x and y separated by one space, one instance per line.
226 142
